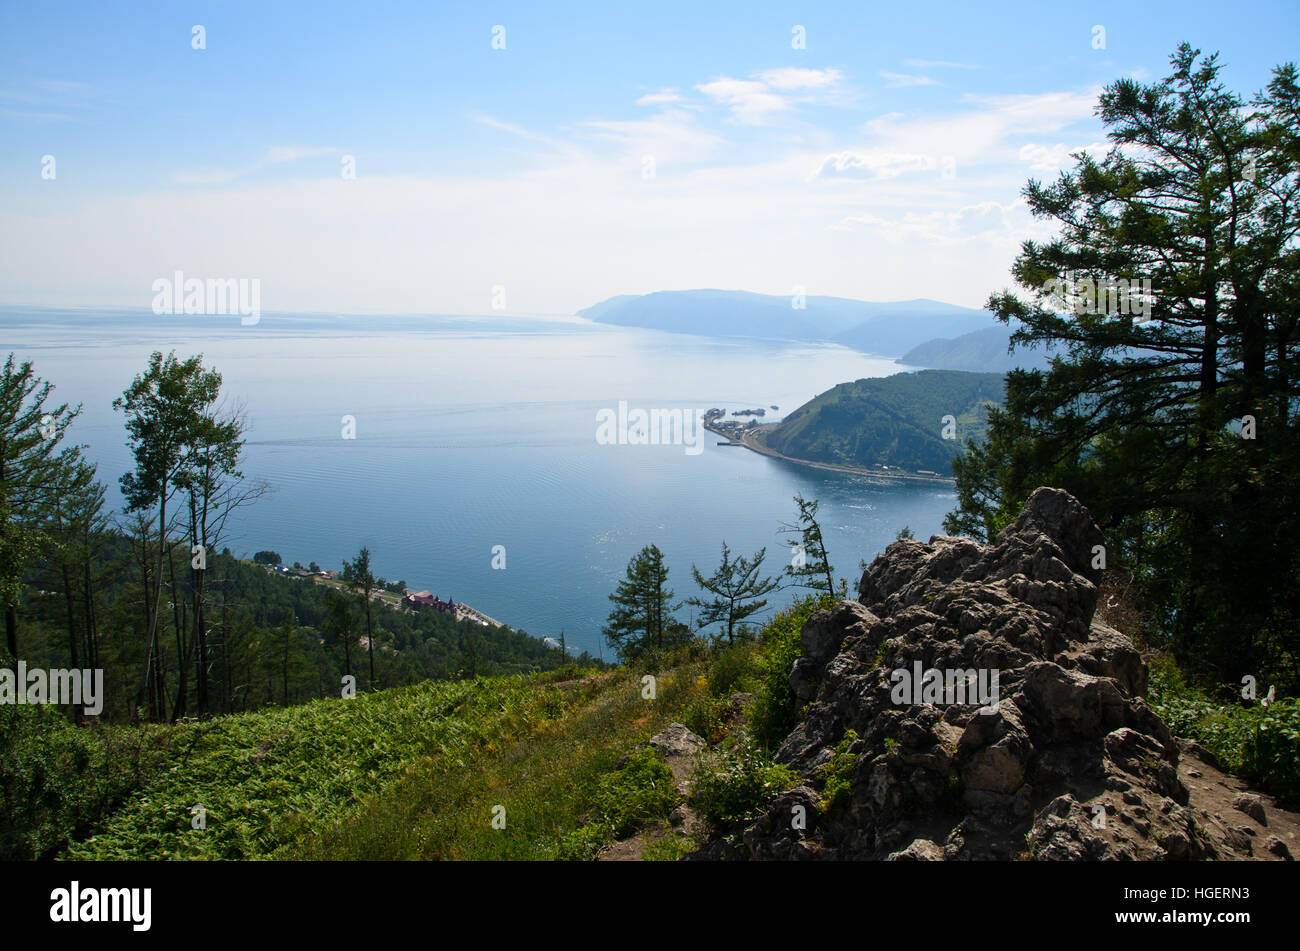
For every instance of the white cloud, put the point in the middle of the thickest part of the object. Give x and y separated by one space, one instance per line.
289 153
671 136
982 222
755 101
877 163
793 77
751 101
662 97
577 222
900 80
1032 112
42 97
275 155
211 176
986 130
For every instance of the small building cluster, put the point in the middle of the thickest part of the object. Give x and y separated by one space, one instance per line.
423 599
304 572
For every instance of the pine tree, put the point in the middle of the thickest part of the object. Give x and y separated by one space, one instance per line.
1171 413
737 589
641 617
810 566
358 574
30 469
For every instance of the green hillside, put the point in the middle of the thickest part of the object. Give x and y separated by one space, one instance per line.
981 351
414 772
410 772
892 421
420 772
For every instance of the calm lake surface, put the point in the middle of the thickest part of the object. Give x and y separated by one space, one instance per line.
477 432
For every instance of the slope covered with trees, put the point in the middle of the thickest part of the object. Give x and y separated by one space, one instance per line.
892 421
981 351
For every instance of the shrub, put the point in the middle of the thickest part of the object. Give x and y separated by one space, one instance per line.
838 773
1271 753
60 782
1258 742
705 714
731 792
732 668
640 790
773 714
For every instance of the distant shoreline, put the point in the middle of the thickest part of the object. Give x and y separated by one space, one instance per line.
749 444
384 596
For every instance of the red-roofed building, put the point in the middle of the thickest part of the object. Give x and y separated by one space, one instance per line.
423 599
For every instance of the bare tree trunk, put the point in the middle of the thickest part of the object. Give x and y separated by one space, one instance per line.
182 651
73 647
370 641
227 701
200 621
92 638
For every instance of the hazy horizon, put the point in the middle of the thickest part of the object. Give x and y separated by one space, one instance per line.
539 161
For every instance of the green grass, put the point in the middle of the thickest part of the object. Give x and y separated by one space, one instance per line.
416 772
773 712
264 779
407 773
1259 743
551 778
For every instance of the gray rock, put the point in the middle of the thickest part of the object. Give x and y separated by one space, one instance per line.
921 850
1251 805
1021 781
676 740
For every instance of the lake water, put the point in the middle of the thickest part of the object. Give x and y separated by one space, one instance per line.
475 432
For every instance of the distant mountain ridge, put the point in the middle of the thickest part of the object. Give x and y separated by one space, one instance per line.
887 329
981 351
895 421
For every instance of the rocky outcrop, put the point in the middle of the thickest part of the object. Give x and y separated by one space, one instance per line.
995 718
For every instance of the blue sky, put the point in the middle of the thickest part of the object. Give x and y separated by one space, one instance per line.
603 151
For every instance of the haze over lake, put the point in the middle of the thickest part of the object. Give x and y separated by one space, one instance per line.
476 432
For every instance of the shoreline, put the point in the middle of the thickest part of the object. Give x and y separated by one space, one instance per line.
749 444
391 599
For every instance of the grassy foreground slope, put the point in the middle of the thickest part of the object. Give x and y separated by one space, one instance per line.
410 772
418 772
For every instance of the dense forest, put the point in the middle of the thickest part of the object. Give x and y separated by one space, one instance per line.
894 421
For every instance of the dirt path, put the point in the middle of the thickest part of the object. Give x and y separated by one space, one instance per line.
1244 823
680 749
